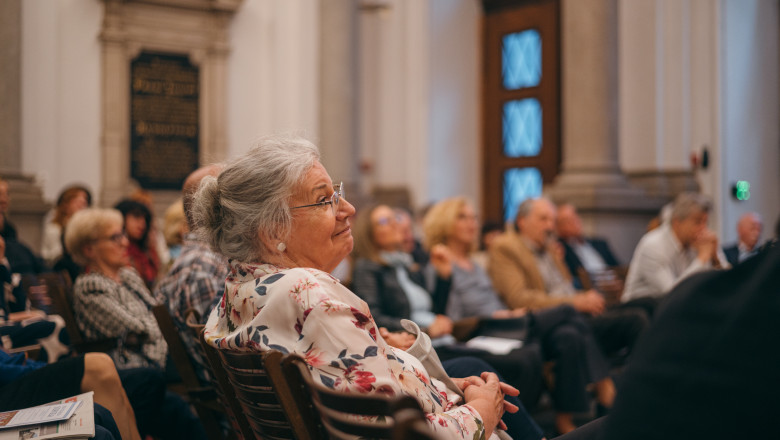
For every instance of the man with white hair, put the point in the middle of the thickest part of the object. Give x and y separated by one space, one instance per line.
749 230
675 250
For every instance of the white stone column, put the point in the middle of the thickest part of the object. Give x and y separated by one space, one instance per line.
591 178
394 95
115 102
27 207
338 91
10 86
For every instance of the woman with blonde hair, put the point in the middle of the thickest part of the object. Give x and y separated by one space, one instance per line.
111 300
564 335
395 288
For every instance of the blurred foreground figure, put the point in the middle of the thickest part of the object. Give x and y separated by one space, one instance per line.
708 366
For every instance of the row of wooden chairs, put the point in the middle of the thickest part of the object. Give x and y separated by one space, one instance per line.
266 395
57 298
277 398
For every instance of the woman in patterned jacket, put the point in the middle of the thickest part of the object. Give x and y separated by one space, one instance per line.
111 300
283 223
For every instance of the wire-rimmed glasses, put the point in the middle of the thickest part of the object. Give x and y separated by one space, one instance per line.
334 200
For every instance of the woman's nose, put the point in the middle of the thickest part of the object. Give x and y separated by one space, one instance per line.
345 209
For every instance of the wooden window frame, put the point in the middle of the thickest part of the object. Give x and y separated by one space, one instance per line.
503 17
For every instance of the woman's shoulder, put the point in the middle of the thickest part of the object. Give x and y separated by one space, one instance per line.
52 230
260 279
130 274
300 276
92 282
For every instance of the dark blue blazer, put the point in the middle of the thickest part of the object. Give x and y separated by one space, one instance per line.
732 254
573 261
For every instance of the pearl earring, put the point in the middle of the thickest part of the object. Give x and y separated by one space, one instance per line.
281 246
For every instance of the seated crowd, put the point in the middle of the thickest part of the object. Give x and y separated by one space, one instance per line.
254 244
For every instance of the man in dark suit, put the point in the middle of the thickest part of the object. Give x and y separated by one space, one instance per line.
749 232
708 366
592 254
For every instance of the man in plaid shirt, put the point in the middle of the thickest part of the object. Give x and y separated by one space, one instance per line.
196 279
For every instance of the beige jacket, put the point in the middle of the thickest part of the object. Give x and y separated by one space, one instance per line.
516 276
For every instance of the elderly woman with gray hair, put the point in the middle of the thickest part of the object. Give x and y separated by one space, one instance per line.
284 225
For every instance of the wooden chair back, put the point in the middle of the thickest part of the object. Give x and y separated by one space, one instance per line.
410 424
232 407
267 402
343 414
59 291
202 397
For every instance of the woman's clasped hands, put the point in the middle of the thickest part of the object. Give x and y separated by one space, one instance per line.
486 395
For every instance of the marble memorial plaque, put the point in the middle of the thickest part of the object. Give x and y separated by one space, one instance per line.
164 119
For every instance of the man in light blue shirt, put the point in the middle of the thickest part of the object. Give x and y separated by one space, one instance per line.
682 246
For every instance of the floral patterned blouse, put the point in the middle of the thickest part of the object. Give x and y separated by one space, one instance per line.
308 312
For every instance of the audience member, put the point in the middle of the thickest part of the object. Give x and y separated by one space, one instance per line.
663 217
707 367
25 383
111 300
21 328
174 228
749 229
592 254
394 287
276 214
197 277
527 270
565 337
141 247
71 200
156 237
410 244
20 259
673 251
19 325
7 229
487 236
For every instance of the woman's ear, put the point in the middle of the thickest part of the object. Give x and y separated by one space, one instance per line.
268 242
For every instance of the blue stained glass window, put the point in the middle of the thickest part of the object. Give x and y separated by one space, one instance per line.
522 128
521 59
520 184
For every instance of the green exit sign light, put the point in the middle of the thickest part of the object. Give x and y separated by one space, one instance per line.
741 190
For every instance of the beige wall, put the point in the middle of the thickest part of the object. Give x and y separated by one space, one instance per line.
692 72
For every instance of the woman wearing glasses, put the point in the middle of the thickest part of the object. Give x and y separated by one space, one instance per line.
110 299
396 288
284 225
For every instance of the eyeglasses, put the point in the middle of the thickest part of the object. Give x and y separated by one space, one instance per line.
384 221
338 194
116 238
